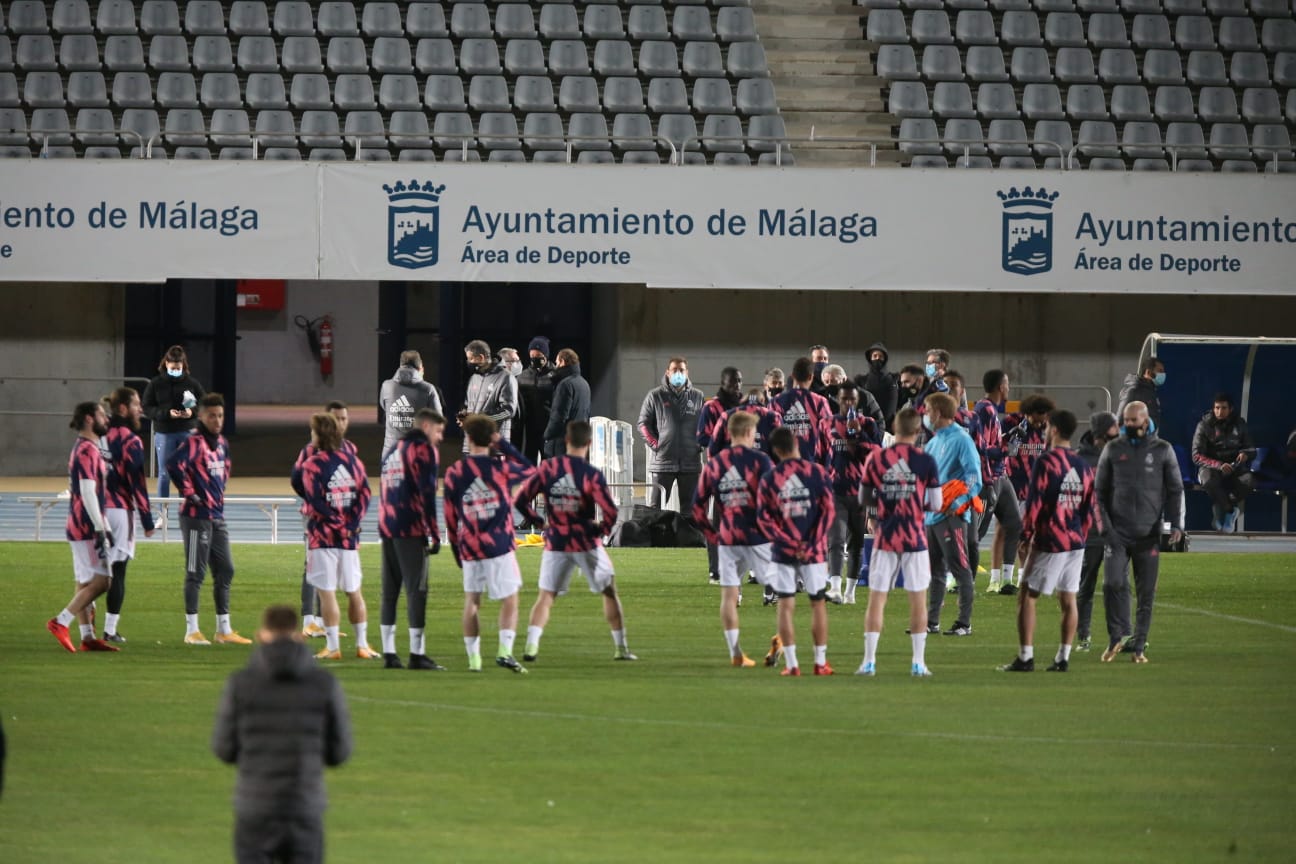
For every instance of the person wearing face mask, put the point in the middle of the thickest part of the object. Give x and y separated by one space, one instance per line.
728 396
1102 430
879 383
571 402
819 357
1143 388
512 363
774 384
1222 450
956 460
170 401
936 364
492 391
1138 479
668 423
535 396
767 421
403 396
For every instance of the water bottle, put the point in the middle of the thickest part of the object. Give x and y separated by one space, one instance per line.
850 418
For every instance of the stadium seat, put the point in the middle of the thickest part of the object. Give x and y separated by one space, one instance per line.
281 154
1229 141
919 136
1186 140
589 126
997 100
391 54
668 96
1217 105
1289 111
13 127
525 57
1049 133
79 52
1194 32
613 57
513 21
906 99
1142 140
445 93
1162 67
320 129
1270 8
336 19
647 22
1097 138
9 95
1009 5
941 63
453 131
623 95
240 154
185 127
1249 69
1020 28
27 16
220 90
1206 68
264 91
367 127
249 19
658 58
409 155
471 21
71 16
603 21
1238 166
6 53
735 24
1075 66
1098 5
756 96
534 93
1042 102
480 57
1031 66
1185 7
159 17
1020 163
310 92
964 136
1107 30
678 129
732 159
702 59
346 54
125 54
985 63
398 93
381 19
43 90
212 54
1270 140
975 27
96 126
568 57
559 21
326 154
1118 66
640 157
931 27
425 21
544 131
204 18
1062 29
1086 102
36 53
491 93
1278 34
578 93
302 54
1152 31
888 25
257 54
1173 103
897 63
169 54
595 157
293 18
712 96
633 132
745 60
952 99
1220 8
982 162
766 134
928 161
1238 34
1192 165
552 156
1130 102
143 122
132 90
1150 164
435 57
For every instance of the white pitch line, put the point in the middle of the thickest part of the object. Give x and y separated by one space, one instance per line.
1286 628
729 727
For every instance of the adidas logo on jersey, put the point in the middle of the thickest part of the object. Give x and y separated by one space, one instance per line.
797 418
564 486
732 481
794 488
1072 491
898 473
478 492
899 480
341 478
401 404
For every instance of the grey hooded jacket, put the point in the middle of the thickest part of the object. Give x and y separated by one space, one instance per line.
494 393
401 396
281 720
668 422
1135 483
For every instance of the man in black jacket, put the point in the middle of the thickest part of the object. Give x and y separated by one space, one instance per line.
880 382
1103 427
1222 450
535 397
281 720
1143 388
171 401
571 401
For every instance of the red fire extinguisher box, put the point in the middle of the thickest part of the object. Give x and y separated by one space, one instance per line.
265 294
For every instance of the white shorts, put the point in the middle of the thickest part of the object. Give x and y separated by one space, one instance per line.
497 577
735 561
333 569
1049 572
556 569
783 578
885 569
86 563
122 525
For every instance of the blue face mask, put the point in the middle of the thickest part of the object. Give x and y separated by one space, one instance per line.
927 424
1158 379
930 369
677 379
819 367
175 373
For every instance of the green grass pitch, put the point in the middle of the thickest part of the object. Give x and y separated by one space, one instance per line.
679 757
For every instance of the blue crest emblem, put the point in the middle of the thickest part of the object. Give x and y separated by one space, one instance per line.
413 224
1027 230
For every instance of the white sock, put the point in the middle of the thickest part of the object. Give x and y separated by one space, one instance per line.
1064 653
191 624
222 624
834 583
919 641
820 654
618 638
789 656
870 647
388 634
1027 652
731 637
1009 574
110 622
331 639
996 574
362 633
850 587
533 635
66 618
506 639
418 646
87 631
472 645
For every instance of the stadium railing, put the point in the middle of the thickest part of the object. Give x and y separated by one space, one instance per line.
268 506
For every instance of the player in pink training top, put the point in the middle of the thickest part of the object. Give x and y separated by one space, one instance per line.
1025 440
807 414
573 488
1060 508
854 435
336 495
87 530
796 512
904 483
312 622
126 493
766 422
479 529
732 479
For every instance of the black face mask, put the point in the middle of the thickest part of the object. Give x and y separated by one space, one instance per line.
539 362
878 364
773 391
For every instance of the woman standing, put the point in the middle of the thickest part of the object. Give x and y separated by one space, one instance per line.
170 401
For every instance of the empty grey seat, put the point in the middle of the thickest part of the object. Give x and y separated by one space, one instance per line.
667 96
514 21
975 27
366 154
258 54
952 99
1075 66
887 25
974 162
1130 102
354 93
1229 141
1086 102
1202 165
735 24
169 54
346 54
185 127
613 57
1249 69
481 57
50 126
1149 164
677 129
176 90
1174 103
897 63
1206 68
534 93
180 153
1270 8
996 100
756 96
43 90
1098 138
1049 133
578 93
9 95
249 18
453 132
381 19
1290 109
647 22
632 132
26 16
491 93
941 63
336 19
96 126
159 17
658 58
524 57
746 60
1020 28
310 91
302 54
320 129
1218 105
220 90
554 156
293 18
766 134
132 90
281 154
1141 140
1226 7
623 94
919 136
1107 30
1272 140
691 22
963 136
121 53
929 161
640 157
1042 102
435 57
603 21
1238 34
399 93
425 21
36 53
205 18
502 156
1185 7
70 16
908 99
1031 66
559 21
733 159
1162 67
498 131
213 54
1193 32
712 96
702 59
1064 28
1152 31
327 154
115 17
143 122
543 131
1118 66
568 57
265 91
470 20
238 154
367 127
1019 163
1186 140
13 127
783 159
6 53
409 130
931 26
590 126
79 53
986 63
391 55
1278 34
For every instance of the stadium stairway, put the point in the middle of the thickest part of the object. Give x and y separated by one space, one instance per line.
821 70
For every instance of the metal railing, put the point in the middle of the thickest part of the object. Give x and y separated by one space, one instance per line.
268 506
65 380
1038 388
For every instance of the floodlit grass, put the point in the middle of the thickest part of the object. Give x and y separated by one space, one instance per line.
678 757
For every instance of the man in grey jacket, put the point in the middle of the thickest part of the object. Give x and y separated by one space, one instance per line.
668 422
402 397
491 390
1138 478
571 401
281 720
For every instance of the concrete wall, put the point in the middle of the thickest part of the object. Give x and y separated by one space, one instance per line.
67 332
275 365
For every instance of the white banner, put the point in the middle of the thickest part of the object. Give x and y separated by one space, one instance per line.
862 229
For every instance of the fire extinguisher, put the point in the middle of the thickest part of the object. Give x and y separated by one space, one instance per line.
326 347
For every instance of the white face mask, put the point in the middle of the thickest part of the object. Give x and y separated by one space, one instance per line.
513 368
